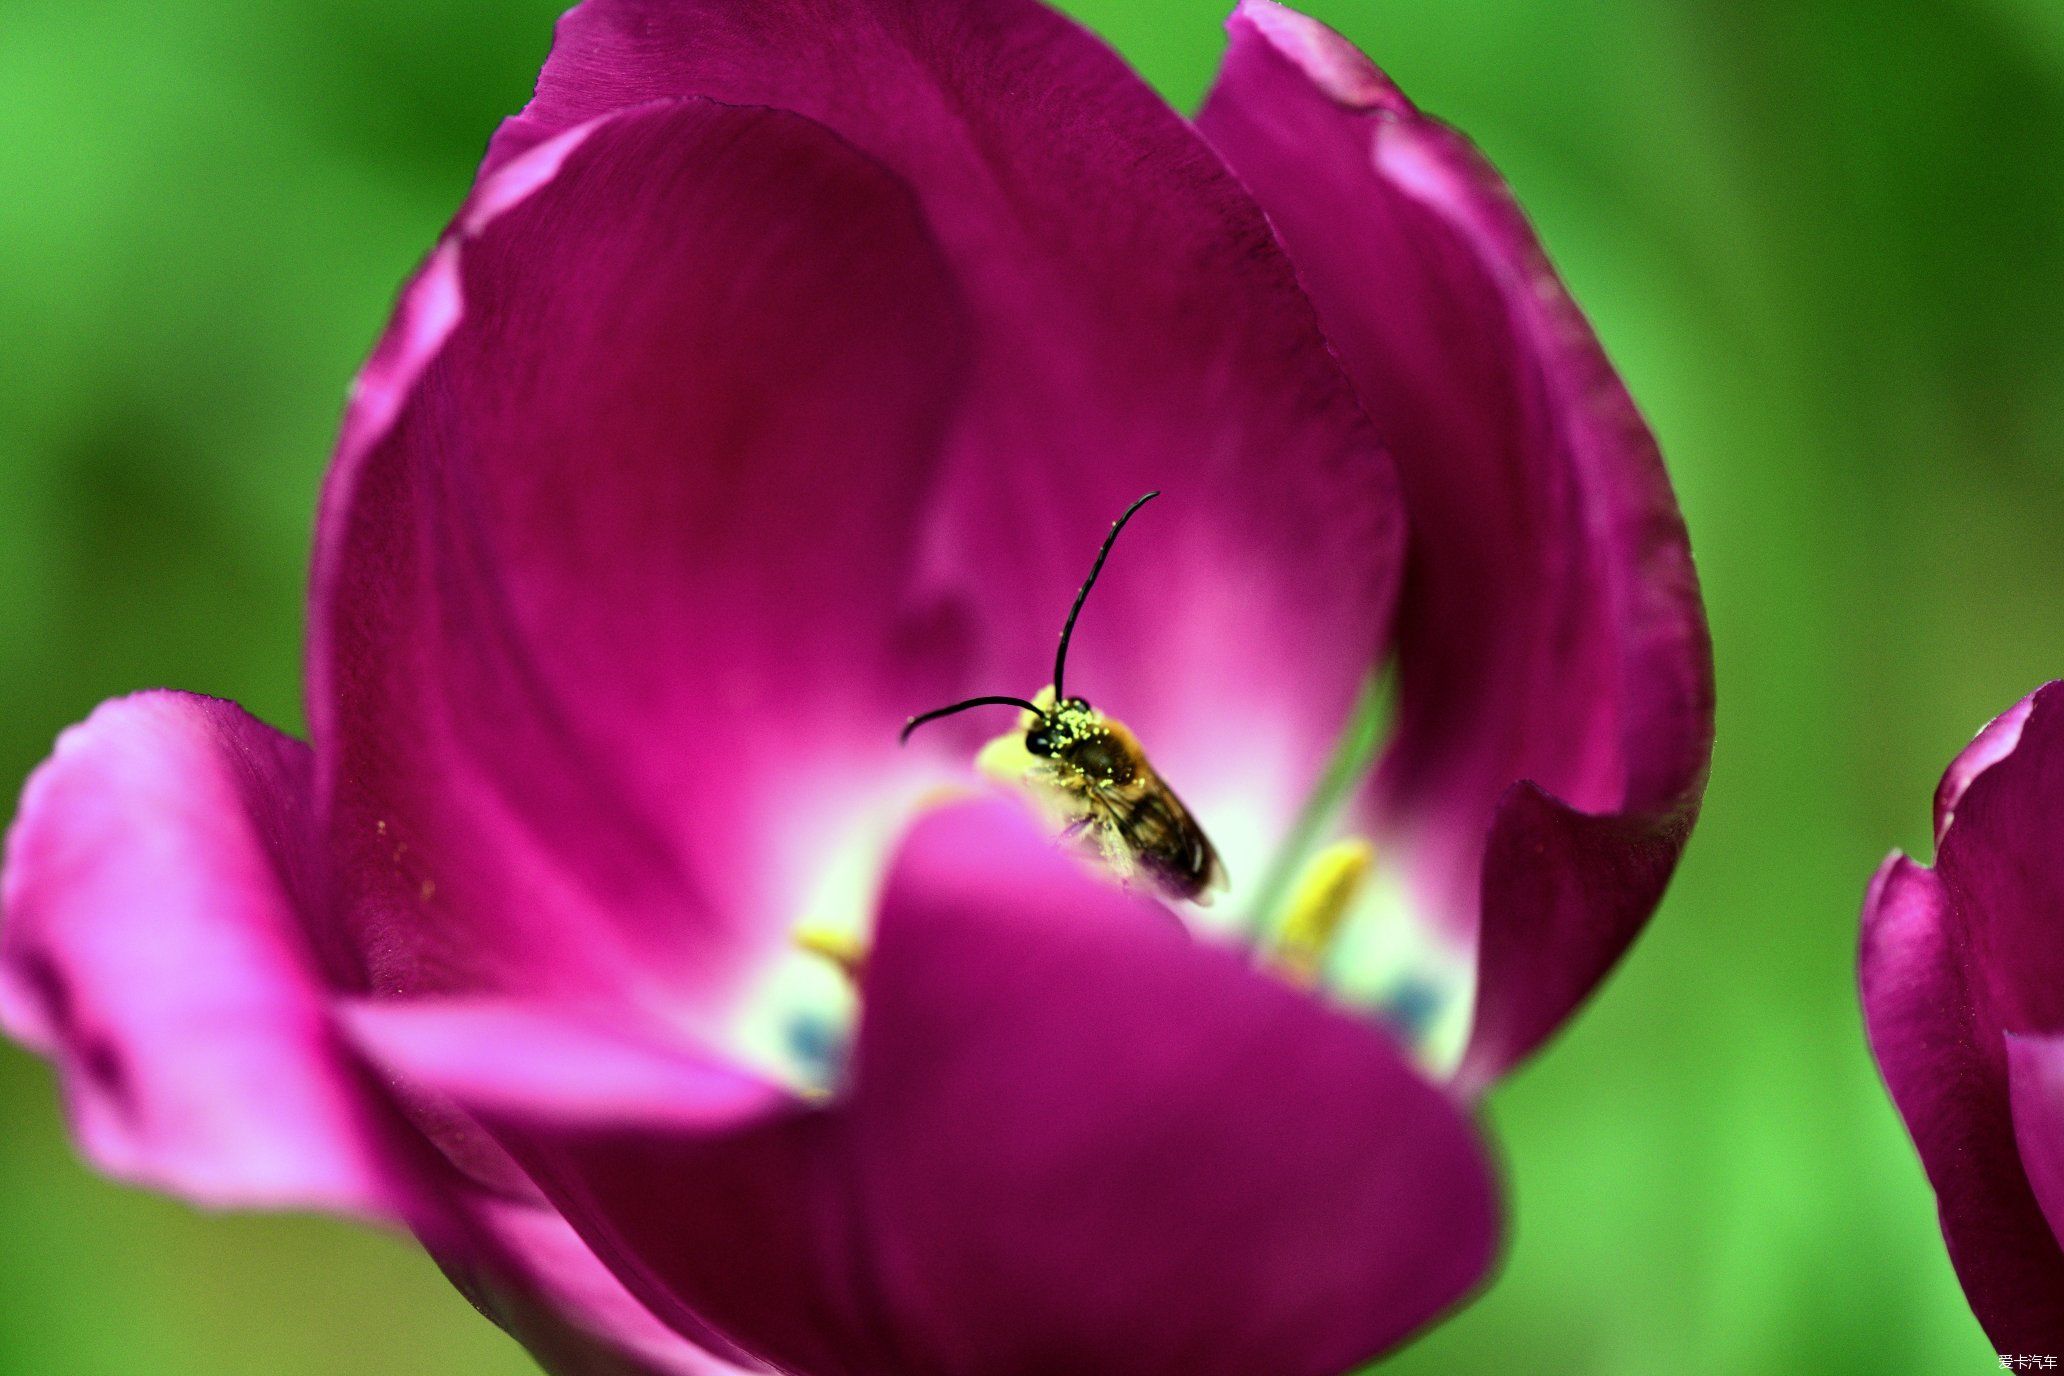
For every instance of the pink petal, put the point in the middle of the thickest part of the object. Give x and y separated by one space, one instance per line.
1075 1140
1551 633
526 1270
2028 1288
1988 748
1941 1059
158 882
1136 327
615 615
1959 973
2001 864
160 889
501 1057
506 1061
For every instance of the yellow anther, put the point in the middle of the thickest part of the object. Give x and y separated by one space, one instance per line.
1318 906
842 950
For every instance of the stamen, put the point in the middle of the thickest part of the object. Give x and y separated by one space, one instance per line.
841 950
1368 725
1317 907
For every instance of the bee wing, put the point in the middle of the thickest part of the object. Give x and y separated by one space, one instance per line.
1162 837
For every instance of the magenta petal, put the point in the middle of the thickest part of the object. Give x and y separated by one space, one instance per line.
1565 892
517 1259
157 882
1075 1141
1179 1163
1136 327
504 1060
500 1058
2003 869
1959 973
612 591
1550 632
2035 1078
1993 744
525 1268
159 889
1941 1058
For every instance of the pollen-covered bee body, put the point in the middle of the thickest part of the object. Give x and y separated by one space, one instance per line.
1093 779
1089 775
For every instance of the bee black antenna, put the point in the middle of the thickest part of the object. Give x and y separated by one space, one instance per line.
921 718
1082 595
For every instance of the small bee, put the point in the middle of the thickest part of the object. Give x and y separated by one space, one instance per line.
1092 777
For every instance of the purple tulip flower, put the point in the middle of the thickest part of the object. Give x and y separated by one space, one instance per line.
1962 974
776 382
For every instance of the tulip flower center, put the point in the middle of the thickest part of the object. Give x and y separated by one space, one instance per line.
1325 912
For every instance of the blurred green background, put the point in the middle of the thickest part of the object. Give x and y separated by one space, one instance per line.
1825 240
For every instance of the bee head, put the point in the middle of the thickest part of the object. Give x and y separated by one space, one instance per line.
1060 728
1076 735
